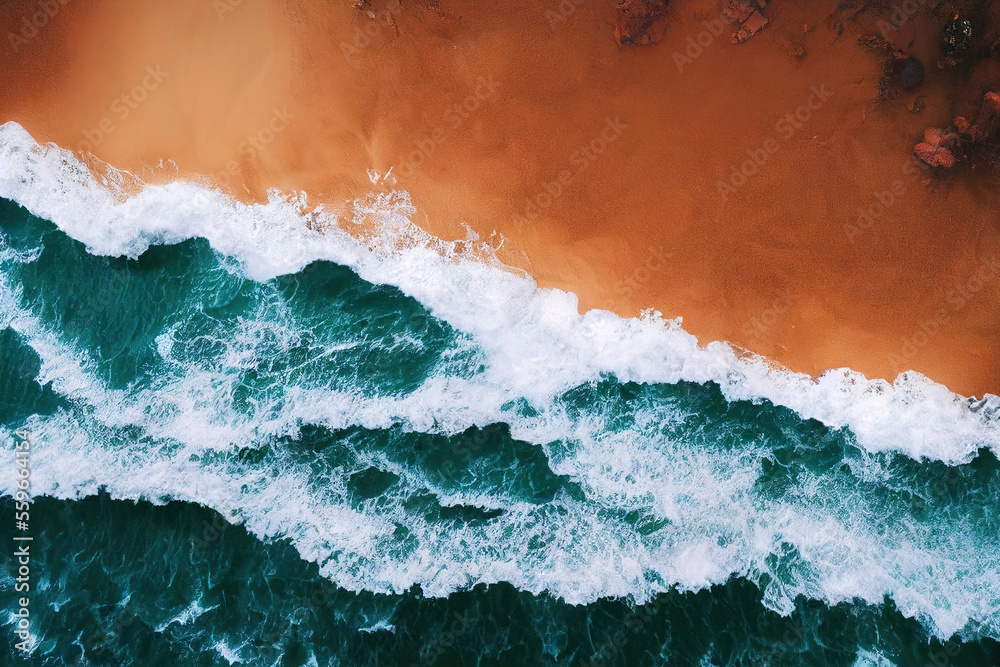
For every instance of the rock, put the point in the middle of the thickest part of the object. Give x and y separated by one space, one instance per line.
934 136
955 42
957 36
739 10
641 22
935 156
990 108
874 42
963 141
936 148
907 72
754 24
988 122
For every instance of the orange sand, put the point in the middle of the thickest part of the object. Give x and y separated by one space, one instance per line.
634 221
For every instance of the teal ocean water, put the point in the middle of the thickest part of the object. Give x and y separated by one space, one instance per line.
258 440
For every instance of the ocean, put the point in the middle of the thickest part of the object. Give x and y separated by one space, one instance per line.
278 435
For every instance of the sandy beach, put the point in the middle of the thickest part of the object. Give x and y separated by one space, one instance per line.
765 192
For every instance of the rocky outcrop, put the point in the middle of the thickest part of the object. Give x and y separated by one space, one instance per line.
739 10
955 41
948 147
988 122
747 14
938 148
906 71
640 22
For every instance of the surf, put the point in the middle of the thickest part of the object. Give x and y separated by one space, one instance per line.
582 455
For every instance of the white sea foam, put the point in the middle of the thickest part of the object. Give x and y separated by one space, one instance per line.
715 523
227 653
536 343
869 659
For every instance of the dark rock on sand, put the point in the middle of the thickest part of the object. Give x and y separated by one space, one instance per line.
955 41
641 22
747 14
907 72
988 122
874 42
957 36
936 148
754 24
964 140
739 10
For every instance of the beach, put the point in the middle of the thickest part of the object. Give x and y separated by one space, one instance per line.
572 332
764 192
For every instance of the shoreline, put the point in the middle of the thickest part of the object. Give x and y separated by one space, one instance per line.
601 171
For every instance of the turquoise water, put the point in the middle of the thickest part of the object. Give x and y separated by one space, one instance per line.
312 468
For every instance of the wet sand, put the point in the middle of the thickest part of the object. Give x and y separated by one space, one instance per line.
600 165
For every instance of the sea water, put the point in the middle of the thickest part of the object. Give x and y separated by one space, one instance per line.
270 435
